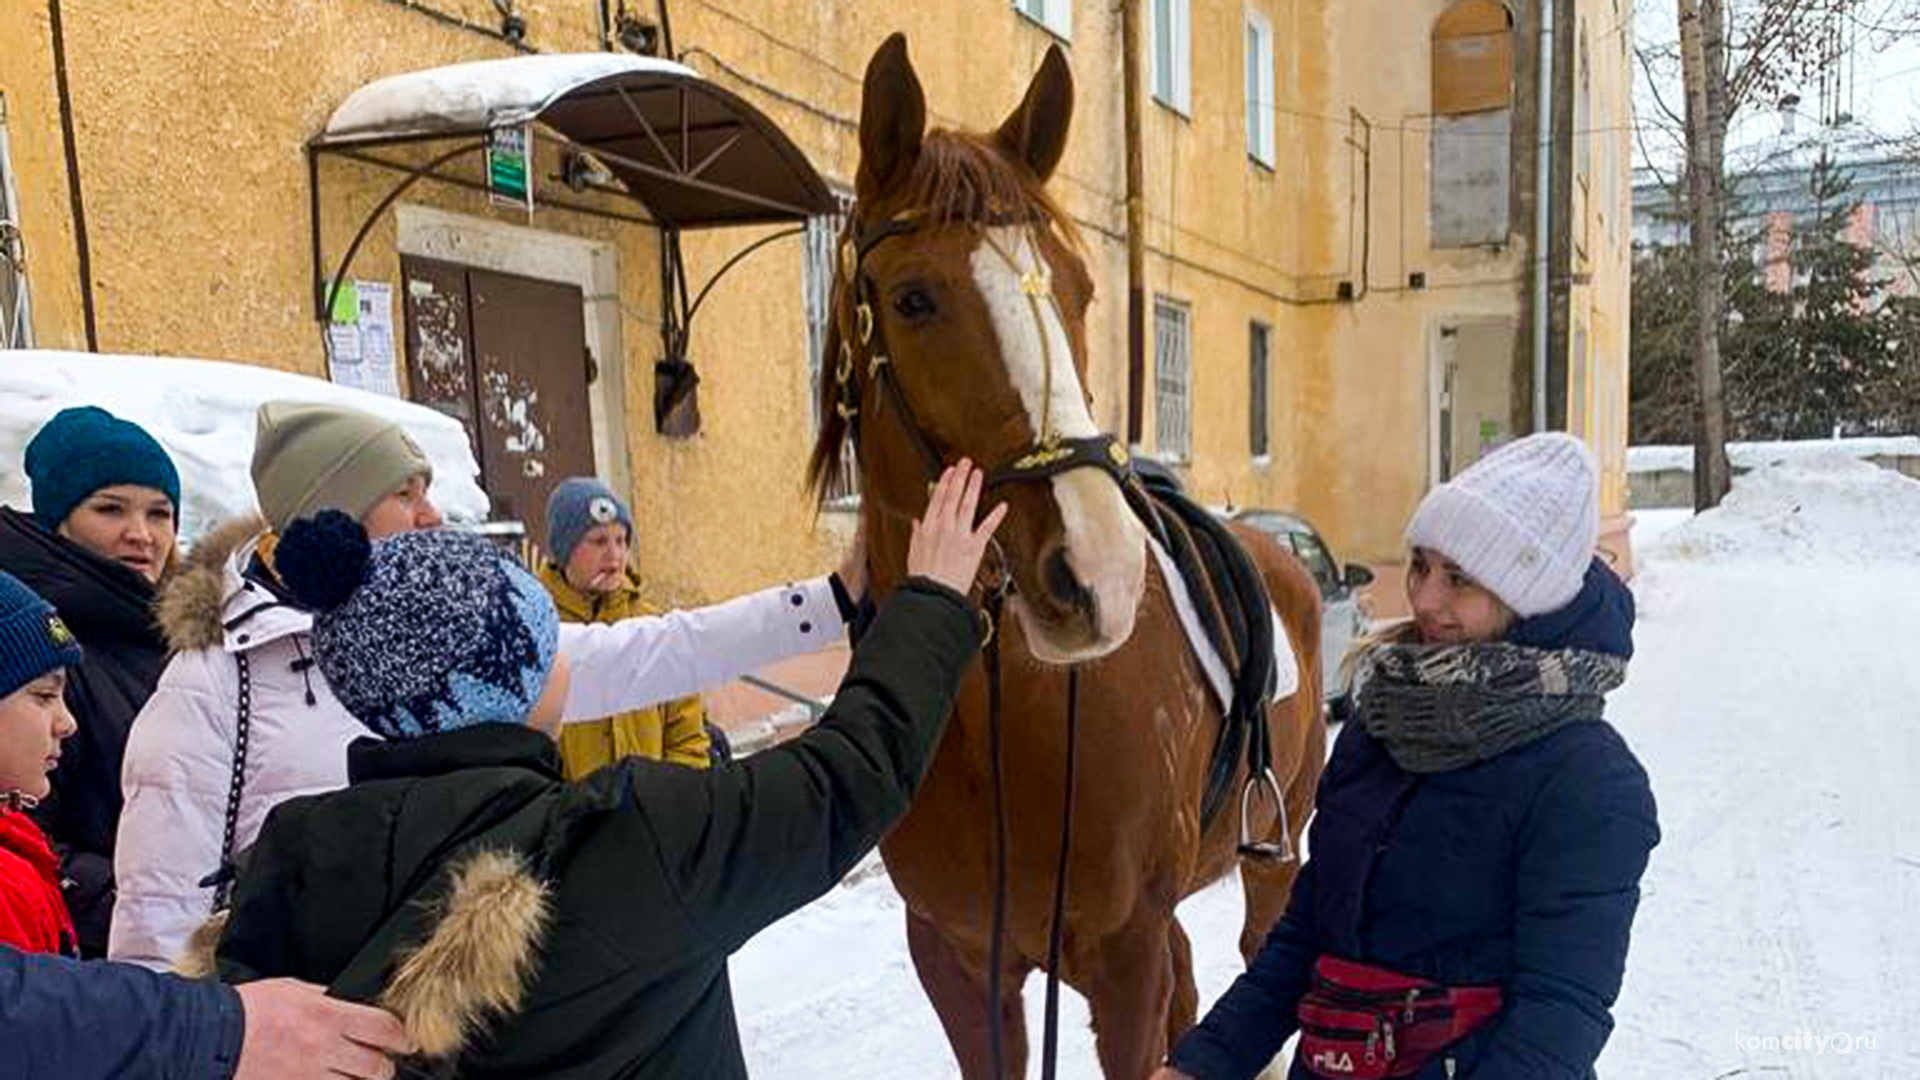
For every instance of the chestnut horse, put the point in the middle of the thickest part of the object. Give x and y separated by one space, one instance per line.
960 331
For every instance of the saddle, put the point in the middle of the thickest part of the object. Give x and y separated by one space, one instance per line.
1235 613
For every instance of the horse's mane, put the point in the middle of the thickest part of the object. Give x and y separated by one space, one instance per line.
960 178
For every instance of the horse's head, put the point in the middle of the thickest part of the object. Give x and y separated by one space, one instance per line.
959 330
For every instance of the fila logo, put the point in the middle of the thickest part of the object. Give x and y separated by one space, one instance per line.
1330 1061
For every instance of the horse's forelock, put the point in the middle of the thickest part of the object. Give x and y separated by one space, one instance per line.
966 178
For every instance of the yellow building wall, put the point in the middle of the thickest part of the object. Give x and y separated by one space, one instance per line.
191 130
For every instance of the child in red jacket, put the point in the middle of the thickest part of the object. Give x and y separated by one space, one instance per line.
36 649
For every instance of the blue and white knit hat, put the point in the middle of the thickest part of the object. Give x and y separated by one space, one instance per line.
421 632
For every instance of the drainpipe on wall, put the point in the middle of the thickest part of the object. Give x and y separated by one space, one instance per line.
1136 225
77 204
1542 216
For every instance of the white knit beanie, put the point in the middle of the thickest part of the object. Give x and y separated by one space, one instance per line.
1522 521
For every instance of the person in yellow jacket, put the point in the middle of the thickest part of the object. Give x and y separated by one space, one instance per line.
589 537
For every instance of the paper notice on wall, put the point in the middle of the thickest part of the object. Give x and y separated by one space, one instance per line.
360 347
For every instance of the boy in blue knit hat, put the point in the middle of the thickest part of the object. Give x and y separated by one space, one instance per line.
523 926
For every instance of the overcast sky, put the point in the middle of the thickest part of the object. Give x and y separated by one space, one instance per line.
1884 96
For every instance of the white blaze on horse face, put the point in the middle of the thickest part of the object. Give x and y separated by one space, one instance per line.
1106 544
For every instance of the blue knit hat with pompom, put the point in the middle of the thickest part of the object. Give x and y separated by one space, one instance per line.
420 632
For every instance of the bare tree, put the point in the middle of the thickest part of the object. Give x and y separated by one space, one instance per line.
1732 55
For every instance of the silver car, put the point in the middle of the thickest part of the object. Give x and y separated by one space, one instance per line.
1341 623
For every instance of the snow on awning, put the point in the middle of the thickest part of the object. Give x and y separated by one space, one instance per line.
693 153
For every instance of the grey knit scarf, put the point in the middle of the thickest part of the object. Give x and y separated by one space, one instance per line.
1441 707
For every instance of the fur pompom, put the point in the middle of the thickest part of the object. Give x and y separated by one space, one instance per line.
323 559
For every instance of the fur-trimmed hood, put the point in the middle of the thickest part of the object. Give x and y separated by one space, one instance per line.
473 968
198 608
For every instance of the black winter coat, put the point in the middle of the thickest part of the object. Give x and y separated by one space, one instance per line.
1522 871
595 917
109 608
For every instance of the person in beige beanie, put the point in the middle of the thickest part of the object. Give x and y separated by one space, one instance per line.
243 719
308 458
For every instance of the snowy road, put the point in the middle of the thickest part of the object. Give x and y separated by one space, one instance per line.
1775 700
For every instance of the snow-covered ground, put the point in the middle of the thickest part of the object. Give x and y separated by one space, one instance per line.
1753 455
1775 700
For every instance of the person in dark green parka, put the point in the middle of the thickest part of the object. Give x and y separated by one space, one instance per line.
521 926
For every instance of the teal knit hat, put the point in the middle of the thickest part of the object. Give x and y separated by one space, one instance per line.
84 449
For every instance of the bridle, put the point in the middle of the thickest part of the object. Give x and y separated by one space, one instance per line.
1049 455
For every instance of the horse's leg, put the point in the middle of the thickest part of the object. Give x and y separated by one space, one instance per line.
1184 1008
1129 982
958 990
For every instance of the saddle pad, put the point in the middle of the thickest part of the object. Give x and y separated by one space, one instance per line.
1286 667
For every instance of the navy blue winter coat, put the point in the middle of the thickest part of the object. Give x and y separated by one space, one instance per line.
63 1019
1521 871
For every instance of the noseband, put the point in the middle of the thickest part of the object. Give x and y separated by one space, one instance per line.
1049 455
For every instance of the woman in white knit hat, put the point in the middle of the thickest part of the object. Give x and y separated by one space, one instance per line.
1481 830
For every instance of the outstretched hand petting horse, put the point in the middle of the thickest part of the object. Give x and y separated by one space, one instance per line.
946 546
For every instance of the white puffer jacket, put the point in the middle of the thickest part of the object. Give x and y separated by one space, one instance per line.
180 755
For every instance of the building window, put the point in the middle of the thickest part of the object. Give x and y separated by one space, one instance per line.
1171 34
1259 348
816 282
1472 140
1055 15
1172 397
16 314
1260 89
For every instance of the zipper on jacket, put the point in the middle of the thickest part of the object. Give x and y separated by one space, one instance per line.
1388 825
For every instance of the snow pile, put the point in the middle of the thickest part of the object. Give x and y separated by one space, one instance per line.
202 411
1755 455
1829 507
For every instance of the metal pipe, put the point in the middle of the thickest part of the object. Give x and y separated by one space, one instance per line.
69 138
1136 223
814 706
1542 215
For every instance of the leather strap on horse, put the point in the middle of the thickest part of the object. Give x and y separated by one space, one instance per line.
1236 615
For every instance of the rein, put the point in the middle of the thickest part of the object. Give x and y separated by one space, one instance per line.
1049 456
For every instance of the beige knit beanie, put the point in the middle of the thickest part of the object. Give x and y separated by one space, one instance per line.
308 458
1522 521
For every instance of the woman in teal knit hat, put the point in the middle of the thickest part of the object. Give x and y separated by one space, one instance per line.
101 536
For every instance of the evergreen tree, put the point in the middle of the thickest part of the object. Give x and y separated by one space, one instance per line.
1809 364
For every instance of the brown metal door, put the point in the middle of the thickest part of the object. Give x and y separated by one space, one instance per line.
530 372
440 341
507 357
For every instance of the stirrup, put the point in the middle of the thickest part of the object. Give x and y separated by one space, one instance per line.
1266 850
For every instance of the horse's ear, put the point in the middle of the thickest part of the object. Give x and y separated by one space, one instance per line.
1036 133
893 117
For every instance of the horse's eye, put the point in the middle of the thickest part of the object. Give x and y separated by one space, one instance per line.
914 304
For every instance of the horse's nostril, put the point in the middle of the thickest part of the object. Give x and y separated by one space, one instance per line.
1062 583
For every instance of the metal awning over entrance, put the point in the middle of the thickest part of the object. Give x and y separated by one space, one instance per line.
694 154
690 154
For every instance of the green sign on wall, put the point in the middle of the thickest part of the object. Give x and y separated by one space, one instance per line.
509 165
